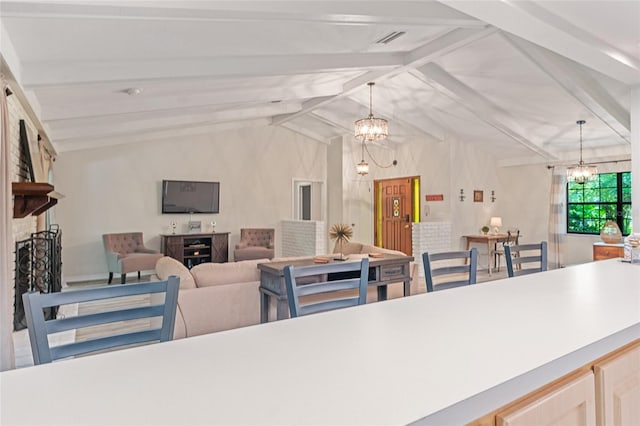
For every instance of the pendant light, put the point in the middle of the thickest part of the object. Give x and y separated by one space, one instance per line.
581 173
371 128
362 168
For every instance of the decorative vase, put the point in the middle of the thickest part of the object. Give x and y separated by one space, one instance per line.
611 233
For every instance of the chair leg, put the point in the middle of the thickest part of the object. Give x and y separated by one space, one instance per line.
110 277
123 278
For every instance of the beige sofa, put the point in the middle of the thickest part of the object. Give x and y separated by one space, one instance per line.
221 296
214 296
418 284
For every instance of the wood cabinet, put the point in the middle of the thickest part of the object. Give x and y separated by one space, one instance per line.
603 251
193 249
618 389
604 392
569 403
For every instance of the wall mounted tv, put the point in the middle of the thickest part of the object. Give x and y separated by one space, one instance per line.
181 196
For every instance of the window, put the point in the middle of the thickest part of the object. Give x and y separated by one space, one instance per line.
591 204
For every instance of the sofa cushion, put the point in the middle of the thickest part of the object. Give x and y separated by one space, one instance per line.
216 308
366 248
167 266
180 328
250 253
139 261
348 248
210 274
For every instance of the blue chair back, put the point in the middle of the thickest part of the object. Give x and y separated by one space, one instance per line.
331 280
516 259
431 270
40 328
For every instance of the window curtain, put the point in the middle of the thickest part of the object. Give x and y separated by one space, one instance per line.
7 357
557 218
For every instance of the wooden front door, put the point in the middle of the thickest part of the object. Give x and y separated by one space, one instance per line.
394 212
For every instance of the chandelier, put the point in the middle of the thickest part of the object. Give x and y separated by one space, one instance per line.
371 128
362 168
581 173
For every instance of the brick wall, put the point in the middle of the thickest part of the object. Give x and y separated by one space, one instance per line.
22 228
303 238
433 237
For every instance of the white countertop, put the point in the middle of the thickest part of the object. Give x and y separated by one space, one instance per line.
392 362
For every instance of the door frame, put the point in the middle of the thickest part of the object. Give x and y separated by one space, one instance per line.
318 198
377 205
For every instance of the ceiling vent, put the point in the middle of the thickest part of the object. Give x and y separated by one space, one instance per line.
390 37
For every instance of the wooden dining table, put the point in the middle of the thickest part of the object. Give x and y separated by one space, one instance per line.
490 240
384 269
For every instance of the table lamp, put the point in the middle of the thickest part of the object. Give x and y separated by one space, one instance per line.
496 223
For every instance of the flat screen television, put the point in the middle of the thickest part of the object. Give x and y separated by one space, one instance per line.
182 196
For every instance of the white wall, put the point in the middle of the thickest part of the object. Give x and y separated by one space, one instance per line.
528 192
334 186
443 166
117 188
522 193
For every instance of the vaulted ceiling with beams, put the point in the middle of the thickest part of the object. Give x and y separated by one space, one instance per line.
513 76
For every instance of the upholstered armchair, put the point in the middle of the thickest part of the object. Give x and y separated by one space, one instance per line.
126 253
255 243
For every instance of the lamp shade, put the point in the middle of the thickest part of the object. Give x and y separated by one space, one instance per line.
582 172
362 168
496 221
371 128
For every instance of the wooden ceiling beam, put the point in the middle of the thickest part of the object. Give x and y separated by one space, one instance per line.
532 22
578 84
331 13
445 44
479 105
46 74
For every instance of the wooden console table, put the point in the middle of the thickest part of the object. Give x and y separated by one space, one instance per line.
389 269
603 251
192 249
488 239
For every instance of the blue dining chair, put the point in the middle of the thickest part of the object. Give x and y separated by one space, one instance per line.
331 281
454 276
40 328
516 259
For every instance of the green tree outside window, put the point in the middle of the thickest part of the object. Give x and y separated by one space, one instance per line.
593 203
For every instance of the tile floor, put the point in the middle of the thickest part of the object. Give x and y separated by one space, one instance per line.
21 338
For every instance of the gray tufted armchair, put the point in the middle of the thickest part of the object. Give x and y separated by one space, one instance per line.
126 253
255 243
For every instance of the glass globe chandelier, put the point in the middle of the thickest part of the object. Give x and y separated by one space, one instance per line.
362 168
371 128
581 173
